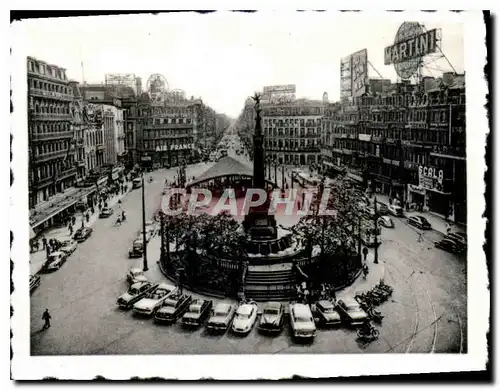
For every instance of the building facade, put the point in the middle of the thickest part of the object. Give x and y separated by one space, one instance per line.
79 128
292 132
408 143
94 137
165 133
51 154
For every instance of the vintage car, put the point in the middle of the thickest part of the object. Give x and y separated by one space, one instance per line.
245 318
448 246
106 212
137 183
395 210
197 313
382 208
34 282
272 317
134 294
302 321
137 249
54 261
173 308
459 238
328 316
153 300
135 275
351 312
68 246
82 234
221 317
386 222
419 222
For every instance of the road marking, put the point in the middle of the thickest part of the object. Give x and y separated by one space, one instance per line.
435 322
460 326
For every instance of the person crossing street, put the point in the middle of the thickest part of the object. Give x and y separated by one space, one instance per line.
46 317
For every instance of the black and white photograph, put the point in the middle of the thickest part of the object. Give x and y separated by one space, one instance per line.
245 195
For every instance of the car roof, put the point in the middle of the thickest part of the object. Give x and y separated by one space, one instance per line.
325 303
300 308
139 284
198 302
222 306
58 253
448 240
165 286
350 301
245 308
272 305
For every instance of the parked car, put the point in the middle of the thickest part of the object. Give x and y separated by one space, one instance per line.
137 249
135 275
386 221
396 211
351 312
197 313
420 222
221 317
382 208
153 299
302 321
272 317
448 245
173 308
245 317
459 238
82 234
106 212
68 246
134 294
328 315
34 282
137 183
54 261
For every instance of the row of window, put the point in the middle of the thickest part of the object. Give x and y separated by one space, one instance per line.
48 170
52 146
432 115
94 138
291 111
152 134
50 127
44 107
48 86
292 132
292 121
46 70
161 121
293 159
291 144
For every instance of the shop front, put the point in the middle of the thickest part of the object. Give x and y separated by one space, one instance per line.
416 196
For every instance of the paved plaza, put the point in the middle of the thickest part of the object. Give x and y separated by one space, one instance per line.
426 313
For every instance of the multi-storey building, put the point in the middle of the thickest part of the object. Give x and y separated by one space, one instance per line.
119 133
165 133
94 137
109 134
292 132
408 143
51 156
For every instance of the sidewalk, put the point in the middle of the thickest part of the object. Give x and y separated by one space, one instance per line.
438 224
62 233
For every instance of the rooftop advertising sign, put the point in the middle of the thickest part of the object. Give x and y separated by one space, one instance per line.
120 78
278 94
354 74
419 46
290 88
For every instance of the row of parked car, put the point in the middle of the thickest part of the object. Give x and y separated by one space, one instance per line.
166 304
138 245
56 259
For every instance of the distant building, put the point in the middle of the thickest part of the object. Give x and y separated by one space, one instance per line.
51 161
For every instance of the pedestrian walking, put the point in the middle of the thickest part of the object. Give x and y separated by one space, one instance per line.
73 220
448 228
46 317
70 230
44 242
87 217
419 238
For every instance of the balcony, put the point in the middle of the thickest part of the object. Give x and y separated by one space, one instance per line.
37 92
66 173
51 117
50 156
37 137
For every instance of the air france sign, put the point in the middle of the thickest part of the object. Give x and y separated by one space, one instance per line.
415 47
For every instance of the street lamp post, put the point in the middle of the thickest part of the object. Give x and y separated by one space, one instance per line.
283 176
144 243
376 230
276 172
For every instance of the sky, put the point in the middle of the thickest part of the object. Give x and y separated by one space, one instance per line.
225 57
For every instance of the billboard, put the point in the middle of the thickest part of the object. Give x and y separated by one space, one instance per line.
354 74
120 78
278 94
414 47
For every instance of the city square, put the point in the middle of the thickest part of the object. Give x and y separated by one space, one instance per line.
279 218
